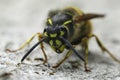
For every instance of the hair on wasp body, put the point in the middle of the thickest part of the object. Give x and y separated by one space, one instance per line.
65 29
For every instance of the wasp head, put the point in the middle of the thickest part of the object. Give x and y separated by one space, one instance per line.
53 35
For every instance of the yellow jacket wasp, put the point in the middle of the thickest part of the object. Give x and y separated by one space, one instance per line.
65 29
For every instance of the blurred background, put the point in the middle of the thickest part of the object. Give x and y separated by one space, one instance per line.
25 17
31 14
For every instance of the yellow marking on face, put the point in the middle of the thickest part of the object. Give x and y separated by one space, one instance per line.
50 21
58 42
53 35
62 48
61 33
67 22
45 34
51 42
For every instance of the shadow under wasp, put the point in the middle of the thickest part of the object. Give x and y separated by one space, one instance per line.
66 29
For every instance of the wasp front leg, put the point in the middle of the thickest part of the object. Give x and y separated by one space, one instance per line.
23 45
42 48
28 42
85 48
66 56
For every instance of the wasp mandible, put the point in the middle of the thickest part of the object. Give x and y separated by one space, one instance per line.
65 29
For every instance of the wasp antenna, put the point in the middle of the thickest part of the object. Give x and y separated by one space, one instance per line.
32 49
72 48
89 16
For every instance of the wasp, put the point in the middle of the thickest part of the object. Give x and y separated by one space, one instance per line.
65 29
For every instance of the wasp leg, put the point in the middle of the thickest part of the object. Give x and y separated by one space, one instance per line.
85 47
28 42
23 45
45 56
104 49
66 56
42 48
